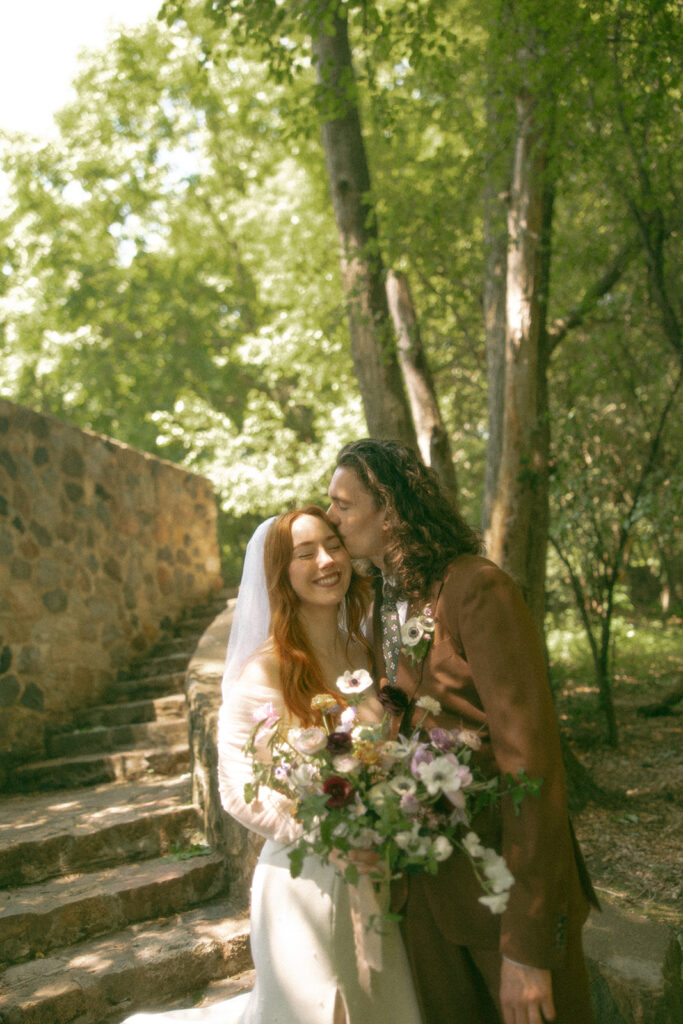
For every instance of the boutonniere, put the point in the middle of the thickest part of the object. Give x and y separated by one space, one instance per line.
417 633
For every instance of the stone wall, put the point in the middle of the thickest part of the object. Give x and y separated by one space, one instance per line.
102 547
203 689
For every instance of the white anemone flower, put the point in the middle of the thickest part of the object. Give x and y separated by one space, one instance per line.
442 775
354 682
412 632
403 784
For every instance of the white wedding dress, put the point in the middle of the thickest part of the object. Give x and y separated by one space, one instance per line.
302 933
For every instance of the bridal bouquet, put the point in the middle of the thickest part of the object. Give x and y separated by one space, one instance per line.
353 787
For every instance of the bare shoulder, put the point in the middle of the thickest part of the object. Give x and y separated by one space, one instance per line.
262 668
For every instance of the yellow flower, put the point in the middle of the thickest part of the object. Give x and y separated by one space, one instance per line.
324 702
366 752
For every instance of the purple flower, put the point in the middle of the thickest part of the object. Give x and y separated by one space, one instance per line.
394 700
339 743
410 804
443 739
423 755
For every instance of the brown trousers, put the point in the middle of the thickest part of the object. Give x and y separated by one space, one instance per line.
459 985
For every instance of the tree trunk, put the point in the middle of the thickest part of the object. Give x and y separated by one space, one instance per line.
604 676
373 346
494 320
496 196
521 491
581 787
431 433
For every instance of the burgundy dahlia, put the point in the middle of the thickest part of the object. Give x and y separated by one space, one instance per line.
394 700
339 791
339 743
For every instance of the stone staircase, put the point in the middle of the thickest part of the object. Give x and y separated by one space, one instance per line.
110 899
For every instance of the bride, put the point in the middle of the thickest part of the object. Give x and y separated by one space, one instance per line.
313 957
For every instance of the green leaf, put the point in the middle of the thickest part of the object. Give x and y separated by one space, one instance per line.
296 861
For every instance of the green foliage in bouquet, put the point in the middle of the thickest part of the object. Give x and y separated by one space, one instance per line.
364 793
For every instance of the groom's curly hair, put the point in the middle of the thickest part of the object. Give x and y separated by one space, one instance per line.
426 531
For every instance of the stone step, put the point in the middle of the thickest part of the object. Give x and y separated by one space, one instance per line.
93 769
213 996
139 689
102 981
164 664
210 609
197 625
148 710
39 918
118 737
635 967
45 835
171 645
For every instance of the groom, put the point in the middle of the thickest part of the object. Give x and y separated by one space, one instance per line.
486 668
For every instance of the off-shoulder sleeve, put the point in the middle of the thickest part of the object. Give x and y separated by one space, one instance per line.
270 815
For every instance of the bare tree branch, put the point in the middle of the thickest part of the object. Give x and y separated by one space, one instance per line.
561 326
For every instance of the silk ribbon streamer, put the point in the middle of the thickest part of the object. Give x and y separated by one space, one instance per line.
367 938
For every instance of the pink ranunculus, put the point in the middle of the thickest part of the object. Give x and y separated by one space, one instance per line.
470 738
345 763
309 741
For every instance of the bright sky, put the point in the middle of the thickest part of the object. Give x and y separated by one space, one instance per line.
39 45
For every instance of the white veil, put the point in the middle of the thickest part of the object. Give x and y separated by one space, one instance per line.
251 621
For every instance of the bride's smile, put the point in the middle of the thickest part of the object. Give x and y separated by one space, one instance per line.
320 567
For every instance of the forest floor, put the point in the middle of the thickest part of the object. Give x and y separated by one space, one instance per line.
633 846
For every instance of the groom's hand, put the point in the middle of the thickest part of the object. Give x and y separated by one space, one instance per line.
367 862
526 994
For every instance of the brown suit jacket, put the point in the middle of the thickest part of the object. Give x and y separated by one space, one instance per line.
486 668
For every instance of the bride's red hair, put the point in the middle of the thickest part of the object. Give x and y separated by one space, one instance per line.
300 673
